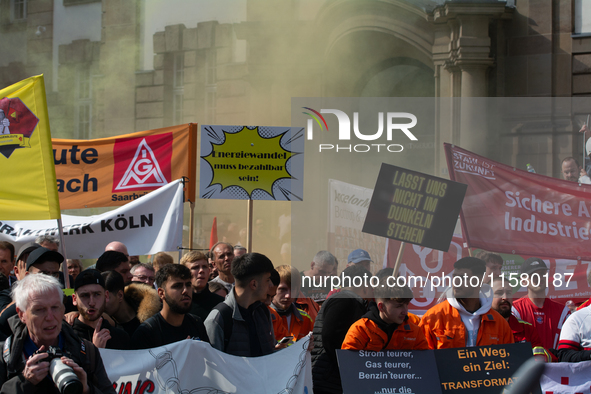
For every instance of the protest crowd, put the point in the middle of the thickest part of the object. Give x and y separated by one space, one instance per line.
243 305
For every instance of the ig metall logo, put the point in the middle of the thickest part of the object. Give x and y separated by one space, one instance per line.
395 122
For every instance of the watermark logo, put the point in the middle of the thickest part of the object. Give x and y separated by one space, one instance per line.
393 120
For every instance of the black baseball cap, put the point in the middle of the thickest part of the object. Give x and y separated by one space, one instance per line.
26 249
41 255
532 264
89 277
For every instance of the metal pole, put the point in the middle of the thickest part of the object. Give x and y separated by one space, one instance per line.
249 227
584 145
191 226
398 259
63 246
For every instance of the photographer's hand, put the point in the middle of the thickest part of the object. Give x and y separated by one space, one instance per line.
35 369
79 371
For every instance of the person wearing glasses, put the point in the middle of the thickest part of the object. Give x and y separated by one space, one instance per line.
40 261
144 273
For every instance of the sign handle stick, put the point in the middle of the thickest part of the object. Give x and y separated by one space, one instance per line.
191 225
584 146
470 252
63 244
398 259
249 226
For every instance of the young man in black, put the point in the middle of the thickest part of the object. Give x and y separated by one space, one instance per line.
203 299
241 325
337 314
173 323
90 298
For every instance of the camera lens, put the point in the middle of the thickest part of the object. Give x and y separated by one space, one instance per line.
64 377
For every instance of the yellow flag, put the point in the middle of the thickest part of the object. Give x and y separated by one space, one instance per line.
28 189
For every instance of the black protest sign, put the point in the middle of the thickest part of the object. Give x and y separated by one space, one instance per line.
482 369
414 207
388 371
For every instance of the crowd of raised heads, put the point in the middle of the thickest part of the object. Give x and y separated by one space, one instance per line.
243 304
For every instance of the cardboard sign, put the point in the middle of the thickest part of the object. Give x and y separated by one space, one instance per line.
347 208
388 371
481 369
256 163
414 207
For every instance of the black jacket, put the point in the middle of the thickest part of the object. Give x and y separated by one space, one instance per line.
336 315
203 303
119 338
11 377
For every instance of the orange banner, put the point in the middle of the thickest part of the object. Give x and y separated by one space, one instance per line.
116 170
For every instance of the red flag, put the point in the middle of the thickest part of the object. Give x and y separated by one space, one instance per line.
213 238
509 210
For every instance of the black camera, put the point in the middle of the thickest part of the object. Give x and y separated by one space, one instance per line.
63 375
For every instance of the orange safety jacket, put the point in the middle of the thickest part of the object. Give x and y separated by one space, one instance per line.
444 329
368 334
308 305
301 323
414 319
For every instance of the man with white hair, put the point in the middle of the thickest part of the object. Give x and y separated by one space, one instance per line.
48 241
316 280
24 367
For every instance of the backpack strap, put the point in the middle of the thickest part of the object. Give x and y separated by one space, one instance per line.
226 312
90 350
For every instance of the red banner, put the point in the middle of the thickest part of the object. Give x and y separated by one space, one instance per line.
513 211
425 268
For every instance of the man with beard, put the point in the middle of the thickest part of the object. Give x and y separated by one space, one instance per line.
203 299
522 331
90 297
571 171
173 323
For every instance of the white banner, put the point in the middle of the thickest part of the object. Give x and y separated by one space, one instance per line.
195 367
347 208
566 378
153 223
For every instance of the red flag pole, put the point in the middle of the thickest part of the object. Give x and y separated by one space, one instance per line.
213 238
